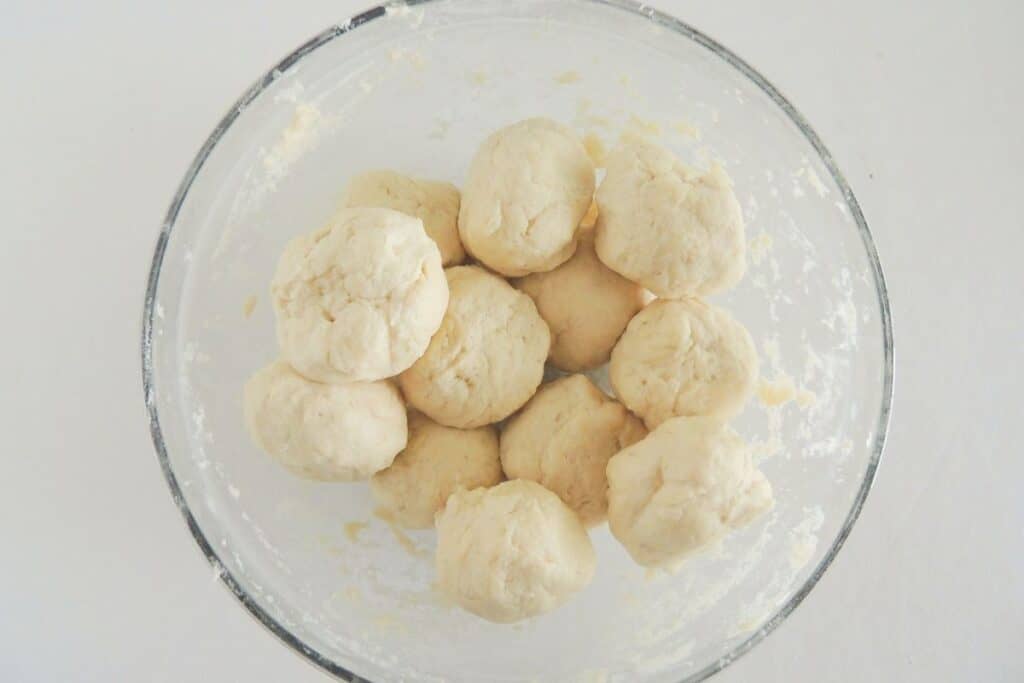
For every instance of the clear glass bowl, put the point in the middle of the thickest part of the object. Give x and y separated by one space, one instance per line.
416 88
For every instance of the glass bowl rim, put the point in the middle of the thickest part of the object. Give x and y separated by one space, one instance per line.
662 20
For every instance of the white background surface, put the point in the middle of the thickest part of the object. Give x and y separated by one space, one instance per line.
107 102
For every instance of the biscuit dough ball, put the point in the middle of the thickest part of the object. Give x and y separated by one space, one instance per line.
487 359
511 552
328 432
435 203
436 461
563 439
527 190
359 299
586 305
669 228
690 482
683 357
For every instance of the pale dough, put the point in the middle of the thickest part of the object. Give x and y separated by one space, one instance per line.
665 226
689 483
359 299
511 552
528 188
486 360
328 432
563 439
683 357
435 203
436 461
586 305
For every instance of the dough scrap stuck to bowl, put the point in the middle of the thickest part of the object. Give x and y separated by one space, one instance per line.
587 306
511 552
683 357
689 483
667 227
359 299
563 439
487 358
327 432
528 187
435 203
436 461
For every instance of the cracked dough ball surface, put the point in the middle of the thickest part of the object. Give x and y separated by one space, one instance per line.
689 483
529 186
683 357
436 462
435 203
587 306
327 432
512 551
563 440
359 299
665 226
486 360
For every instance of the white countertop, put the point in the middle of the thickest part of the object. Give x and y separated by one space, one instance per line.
107 102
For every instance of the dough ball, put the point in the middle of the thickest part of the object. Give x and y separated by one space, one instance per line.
586 305
563 439
690 482
359 299
435 203
487 359
673 230
436 461
512 551
683 357
528 188
329 432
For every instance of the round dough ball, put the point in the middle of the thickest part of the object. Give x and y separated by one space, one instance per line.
435 203
511 552
690 482
436 461
563 439
528 188
328 432
487 359
683 357
359 299
673 230
586 305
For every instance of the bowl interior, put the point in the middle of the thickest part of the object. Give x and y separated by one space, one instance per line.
416 89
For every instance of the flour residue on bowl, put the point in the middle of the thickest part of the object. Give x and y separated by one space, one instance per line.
803 539
353 529
760 247
568 77
296 139
414 16
404 541
249 305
